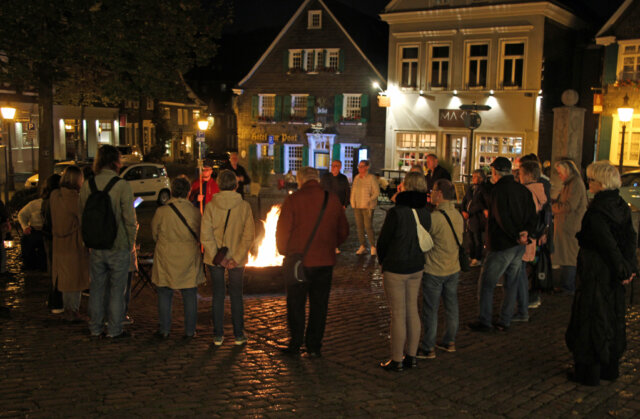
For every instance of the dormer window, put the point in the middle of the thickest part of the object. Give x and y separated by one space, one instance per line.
314 19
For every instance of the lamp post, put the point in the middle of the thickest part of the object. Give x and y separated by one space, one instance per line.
625 113
203 124
8 113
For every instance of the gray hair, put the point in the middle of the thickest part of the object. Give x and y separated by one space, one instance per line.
227 180
306 174
415 181
604 172
569 166
180 187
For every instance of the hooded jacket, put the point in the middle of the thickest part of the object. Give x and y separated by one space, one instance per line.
239 234
398 247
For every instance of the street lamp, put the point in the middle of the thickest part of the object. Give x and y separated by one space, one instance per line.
8 113
625 113
203 124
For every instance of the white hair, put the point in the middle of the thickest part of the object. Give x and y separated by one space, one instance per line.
604 172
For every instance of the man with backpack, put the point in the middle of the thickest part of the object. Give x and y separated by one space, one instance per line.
109 230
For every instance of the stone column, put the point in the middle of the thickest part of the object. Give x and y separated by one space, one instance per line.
568 132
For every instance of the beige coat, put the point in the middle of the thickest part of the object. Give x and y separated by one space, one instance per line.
177 262
240 228
70 258
568 211
442 259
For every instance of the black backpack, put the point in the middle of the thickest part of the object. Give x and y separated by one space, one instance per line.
99 227
544 220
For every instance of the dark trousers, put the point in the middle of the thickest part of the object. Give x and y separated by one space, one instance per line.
317 287
55 296
33 252
590 374
476 244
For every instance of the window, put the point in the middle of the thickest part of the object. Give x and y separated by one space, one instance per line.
320 64
314 19
629 62
492 146
439 69
413 147
347 153
298 106
409 67
167 113
132 104
149 104
512 64
295 59
196 115
267 106
179 116
314 60
333 59
185 116
310 60
477 61
293 157
105 129
351 108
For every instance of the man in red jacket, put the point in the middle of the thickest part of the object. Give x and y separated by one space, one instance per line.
209 185
299 214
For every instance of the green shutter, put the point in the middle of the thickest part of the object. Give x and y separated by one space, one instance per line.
341 61
277 115
364 107
335 152
311 114
604 146
337 108
278 158
610 64
305 156
254 107
285 61
286 108
253 154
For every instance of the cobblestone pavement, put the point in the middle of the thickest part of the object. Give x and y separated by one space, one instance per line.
49 368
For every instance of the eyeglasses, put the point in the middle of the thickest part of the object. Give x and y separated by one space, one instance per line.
590 179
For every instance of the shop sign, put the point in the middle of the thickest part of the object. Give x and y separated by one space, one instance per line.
451 118
263 137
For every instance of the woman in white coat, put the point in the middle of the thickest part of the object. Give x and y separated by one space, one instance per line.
177 261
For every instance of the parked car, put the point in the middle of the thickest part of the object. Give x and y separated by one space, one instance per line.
630 189
148 181
129 154
58 168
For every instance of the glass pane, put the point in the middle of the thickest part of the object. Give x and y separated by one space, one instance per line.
483 73
478 50
445 73
440 52
629 49
405 74
517 77
473 73
414 72
435 73
410 52
514 49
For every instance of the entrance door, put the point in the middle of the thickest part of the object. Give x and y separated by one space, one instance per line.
456 153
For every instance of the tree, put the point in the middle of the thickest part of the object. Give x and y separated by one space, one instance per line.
133 49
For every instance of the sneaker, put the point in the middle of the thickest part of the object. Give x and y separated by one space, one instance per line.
422 354
449 347
240 340
535 304
57 310
127 321
479 327
373 251
361 251
520 318
217 340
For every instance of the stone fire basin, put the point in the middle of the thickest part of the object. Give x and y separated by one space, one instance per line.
263 280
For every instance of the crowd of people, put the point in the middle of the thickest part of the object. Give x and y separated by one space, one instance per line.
507 221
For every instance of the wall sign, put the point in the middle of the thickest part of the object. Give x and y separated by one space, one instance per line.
451 118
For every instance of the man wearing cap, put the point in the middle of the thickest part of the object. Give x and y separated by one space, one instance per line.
512 216
209 185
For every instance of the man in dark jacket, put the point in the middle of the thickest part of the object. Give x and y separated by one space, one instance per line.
434 172
336 182
241 173
300 212
512 216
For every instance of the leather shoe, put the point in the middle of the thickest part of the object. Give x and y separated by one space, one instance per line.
478 327
314 354
391 365
409 362
123 335
161 335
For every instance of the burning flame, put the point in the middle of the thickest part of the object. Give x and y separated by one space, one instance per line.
267 251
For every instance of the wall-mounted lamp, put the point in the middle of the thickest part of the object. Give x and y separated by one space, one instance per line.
455 92
491 92
540 92
376 85
426 96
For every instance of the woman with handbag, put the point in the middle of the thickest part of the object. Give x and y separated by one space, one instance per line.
177 263
227 235
402 258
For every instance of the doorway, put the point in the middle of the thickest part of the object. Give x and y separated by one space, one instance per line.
456 153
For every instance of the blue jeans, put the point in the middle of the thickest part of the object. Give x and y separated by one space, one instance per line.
235 295
109 269
497 263
190 302
127 295
523 291
434 287
568 274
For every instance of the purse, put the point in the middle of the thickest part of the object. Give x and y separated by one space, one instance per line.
221 254
292 268
463 258
424 238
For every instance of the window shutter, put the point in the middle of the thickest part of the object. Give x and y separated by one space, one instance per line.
335 153
254 107
610 64
311 103
341 61
277 115
337 108
305 156
278 158
285 61
364 107
253 154
286 108
606 128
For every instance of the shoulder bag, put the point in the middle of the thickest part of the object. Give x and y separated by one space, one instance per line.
463 258
424 238
292 267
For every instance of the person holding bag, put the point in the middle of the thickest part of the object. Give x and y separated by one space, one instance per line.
402 258
227 224
177 258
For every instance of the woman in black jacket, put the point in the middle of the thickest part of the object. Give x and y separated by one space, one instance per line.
473 206
402 263
606 262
